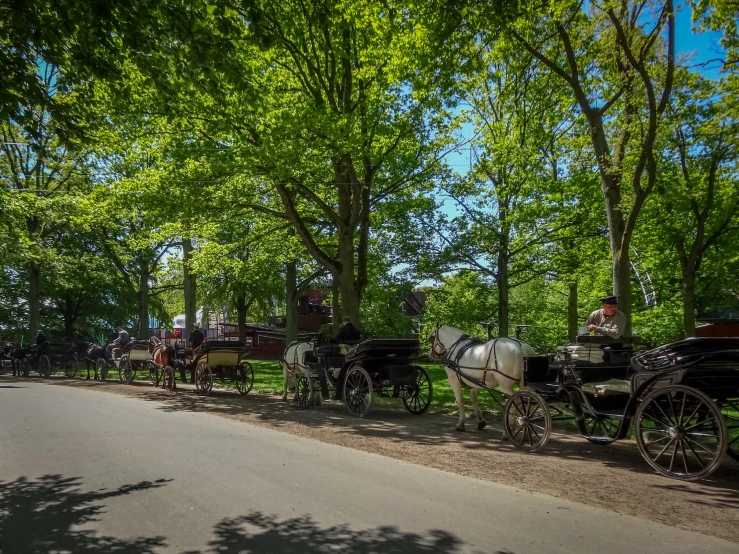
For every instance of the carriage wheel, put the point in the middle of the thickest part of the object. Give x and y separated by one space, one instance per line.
527 421
305 390
168 379
43 366
203 378
730 411
101 366
601 430
358 391
126 372
680 432
244 377
418 398
154 375
70 367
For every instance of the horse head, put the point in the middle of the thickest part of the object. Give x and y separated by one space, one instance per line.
443 339
154 343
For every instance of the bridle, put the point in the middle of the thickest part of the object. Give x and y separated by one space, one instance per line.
445 352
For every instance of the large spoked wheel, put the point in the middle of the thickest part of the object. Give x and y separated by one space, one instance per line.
101 366
43 366
70 367
244 377
168 378
680 432
126 371
203 378
527 422
730 411
305 390
600 430
358 391
154 375
418 397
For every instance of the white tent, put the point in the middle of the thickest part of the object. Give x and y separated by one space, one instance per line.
179 321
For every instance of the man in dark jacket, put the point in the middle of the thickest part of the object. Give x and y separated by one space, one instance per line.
347 332
197 337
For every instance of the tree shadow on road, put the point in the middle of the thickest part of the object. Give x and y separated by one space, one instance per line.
258 532
40 515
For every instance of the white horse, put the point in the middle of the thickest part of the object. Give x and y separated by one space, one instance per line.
498 362
292 365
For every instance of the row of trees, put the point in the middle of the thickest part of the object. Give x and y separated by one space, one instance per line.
516 161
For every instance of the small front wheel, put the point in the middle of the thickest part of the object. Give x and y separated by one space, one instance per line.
419 395
358 391
43 366
101 366
168 379
70 367
203 378
244 377
126 372
305 390
527 422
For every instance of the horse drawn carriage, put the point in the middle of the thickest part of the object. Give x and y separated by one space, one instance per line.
681 401
222 360
53 356
374 367
132 357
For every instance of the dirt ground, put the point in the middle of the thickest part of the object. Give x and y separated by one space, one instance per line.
613 477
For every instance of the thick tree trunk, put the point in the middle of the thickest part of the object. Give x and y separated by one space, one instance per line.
241 316
573 321
689 303
291 302
336 305
143 301
503 289
350 292
622 285
34 300
69 316
190 286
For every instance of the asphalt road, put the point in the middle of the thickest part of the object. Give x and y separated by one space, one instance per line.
85 471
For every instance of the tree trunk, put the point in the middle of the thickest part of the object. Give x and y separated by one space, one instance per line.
689 303
291 303
350 293
336 307
143 301
503 288
190 287
241 316
34 301
573 321
69 317
622 285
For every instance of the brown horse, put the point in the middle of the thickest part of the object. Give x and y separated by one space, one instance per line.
162 356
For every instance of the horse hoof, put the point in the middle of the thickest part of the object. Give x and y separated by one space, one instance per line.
481 425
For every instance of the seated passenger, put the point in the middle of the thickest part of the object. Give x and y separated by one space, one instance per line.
121 340
608 321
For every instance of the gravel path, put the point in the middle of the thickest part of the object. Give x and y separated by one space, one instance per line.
613 477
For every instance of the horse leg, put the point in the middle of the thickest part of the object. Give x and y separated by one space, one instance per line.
283 398
457 388
481 423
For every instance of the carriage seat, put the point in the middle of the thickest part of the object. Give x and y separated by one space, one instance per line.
612 386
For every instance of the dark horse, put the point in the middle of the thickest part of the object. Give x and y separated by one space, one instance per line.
91 353
16 356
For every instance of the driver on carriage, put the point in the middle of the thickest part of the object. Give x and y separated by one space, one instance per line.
347 335
120 341
609 321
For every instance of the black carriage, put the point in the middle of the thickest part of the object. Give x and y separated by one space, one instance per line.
222 360
52 356
681 401
374 367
